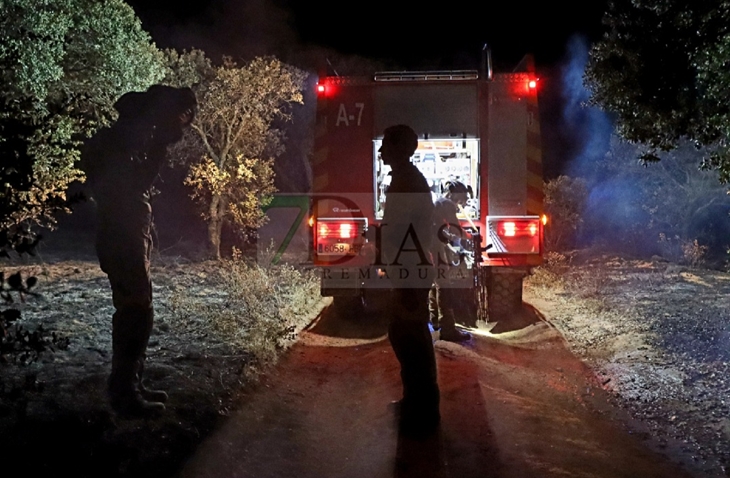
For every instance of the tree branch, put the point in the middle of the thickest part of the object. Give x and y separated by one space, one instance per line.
204 138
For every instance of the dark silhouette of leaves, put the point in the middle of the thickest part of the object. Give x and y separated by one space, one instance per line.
17 343
15 281
11 315
30 282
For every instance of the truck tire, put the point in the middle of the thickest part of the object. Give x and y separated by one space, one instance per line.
504 294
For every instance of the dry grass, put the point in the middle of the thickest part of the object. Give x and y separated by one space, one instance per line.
256 310
551 274
558 275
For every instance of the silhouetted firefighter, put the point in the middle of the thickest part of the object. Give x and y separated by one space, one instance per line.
121 163
407 228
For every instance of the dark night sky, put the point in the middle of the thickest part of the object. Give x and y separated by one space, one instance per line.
406 34
363 37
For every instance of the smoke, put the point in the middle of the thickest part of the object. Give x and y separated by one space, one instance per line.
613 207
590 126
630 206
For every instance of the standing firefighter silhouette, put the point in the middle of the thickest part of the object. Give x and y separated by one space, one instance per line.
407 228
121 163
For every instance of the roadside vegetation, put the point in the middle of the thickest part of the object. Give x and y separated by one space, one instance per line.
230 149
256 310
671 208
64 64
218 324
661 69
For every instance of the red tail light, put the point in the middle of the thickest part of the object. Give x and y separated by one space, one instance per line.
337 237
338 230
323 229
347 230
518 228
326 88
514 235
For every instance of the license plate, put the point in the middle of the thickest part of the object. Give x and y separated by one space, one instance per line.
336 249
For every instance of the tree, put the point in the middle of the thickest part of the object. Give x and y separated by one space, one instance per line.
663 68
234 139
63 63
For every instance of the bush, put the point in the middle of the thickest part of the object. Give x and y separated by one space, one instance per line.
260 311
687 252
16 342
565 200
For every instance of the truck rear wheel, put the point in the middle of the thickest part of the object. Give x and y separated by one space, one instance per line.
504 293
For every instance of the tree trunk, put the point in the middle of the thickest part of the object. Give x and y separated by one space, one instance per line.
215 224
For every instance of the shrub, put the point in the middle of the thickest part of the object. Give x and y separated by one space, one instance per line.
687 252
565 200
693 253
260 311
17 343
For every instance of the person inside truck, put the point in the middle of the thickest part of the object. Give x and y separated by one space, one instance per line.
444 297
408 219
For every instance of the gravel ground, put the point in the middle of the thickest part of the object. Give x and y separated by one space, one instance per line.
657 336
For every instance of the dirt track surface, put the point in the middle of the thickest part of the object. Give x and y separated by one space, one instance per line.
514 404
651 341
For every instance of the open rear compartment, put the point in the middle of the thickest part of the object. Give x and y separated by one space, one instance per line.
440 161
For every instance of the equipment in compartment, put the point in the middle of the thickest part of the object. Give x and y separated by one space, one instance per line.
439 160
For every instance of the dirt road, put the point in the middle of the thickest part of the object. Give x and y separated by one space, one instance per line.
514 404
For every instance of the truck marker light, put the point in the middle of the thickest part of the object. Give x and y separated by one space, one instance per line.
544 219
311 221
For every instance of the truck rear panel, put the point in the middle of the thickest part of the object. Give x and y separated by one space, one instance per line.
484 133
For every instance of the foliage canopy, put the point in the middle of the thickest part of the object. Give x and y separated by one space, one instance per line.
63 63
663 68
234 138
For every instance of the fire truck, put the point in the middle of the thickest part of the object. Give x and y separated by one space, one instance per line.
478 127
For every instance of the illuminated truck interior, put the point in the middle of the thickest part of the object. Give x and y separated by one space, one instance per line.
439 160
